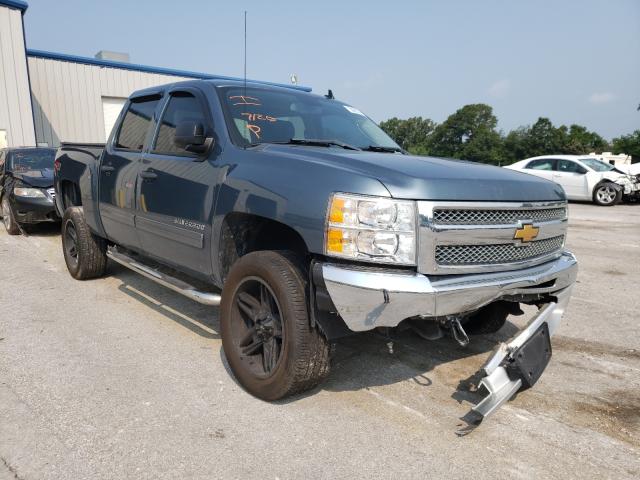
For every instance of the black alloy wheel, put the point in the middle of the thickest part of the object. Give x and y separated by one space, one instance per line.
268 340
71 242
256 326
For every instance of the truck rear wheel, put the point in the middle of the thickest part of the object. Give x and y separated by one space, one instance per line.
84 253
8 218
269 343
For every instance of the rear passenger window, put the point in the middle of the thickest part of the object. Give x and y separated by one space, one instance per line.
542 164
136 123
182 107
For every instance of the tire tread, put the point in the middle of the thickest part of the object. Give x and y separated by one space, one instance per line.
92 258
309 363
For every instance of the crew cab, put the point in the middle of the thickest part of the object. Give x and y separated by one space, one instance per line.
305 222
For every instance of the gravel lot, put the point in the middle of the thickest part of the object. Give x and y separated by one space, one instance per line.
120 378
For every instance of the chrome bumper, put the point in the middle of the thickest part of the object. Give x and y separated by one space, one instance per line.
367 298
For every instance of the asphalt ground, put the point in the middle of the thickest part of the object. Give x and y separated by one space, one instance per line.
121 378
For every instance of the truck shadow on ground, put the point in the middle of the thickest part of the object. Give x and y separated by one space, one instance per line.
359 361
364 360
200 319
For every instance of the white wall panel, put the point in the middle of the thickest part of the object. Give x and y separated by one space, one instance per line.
67 97
16 116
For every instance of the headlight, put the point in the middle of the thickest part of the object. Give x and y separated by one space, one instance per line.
371 229
28 192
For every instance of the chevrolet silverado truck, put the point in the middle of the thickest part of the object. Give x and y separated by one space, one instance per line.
300 218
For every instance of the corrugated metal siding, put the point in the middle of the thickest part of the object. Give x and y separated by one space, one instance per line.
67 97
15 105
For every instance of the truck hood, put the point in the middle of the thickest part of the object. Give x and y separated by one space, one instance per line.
430 178
36 178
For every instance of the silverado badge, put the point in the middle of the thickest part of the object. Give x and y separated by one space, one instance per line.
526 233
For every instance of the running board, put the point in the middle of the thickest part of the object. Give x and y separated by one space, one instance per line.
175 284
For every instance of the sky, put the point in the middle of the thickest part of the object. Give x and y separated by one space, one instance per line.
573 61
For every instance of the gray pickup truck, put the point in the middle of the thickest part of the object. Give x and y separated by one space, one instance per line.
305 222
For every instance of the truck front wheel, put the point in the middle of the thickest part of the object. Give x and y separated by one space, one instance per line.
84 253
267 338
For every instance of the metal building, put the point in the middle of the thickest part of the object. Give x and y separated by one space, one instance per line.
47 98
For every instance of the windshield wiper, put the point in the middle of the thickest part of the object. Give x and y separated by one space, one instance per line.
320 143
378 148
312 142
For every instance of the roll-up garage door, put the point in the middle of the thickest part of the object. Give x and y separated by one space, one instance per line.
111 107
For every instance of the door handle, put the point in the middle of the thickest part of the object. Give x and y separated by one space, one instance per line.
107 168
148 174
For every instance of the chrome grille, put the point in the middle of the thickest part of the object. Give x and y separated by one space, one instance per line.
499 253
479 237
498 217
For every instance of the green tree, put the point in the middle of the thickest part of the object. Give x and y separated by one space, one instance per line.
580 141
516 145
411 134
543 138
629 144
470 133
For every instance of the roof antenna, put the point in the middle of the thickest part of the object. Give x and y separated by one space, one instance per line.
245 53
329 95
244 93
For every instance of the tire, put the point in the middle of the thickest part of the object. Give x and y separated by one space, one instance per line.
606 195
302 352
84 253
8 218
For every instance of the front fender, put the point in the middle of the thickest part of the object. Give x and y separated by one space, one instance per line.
288 190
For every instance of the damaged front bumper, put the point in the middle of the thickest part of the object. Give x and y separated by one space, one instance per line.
34 210
369 298
501 380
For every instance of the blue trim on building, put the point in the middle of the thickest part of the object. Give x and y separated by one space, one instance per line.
148 69
22 6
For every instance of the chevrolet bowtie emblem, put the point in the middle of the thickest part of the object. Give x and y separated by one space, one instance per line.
526 233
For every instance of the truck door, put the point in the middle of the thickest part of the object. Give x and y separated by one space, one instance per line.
119 169
176 189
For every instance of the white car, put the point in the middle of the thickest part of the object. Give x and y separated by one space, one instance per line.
582 178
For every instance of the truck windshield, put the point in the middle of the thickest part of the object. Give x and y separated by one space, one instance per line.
258 115
26 160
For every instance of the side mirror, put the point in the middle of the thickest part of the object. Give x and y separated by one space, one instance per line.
191 136
582 171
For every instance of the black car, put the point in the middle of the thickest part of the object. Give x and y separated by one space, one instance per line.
26 187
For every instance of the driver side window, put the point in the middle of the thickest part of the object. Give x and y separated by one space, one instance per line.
182 107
